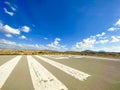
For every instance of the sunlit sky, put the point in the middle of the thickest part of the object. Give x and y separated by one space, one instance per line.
63 25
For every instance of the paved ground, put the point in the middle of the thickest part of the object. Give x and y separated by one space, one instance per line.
20 78
57 72
5 58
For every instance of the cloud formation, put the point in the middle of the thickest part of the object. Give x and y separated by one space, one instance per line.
22 37
13 8
8 35
115 38
25 29
100 35
108 41
115 26
13 45
3 41
8 30
55 45
104 41
86 44
113 29
8 12
117 23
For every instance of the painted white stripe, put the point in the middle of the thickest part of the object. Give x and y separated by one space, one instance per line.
42 79
61 57
58 56
77 56
71 71
7 68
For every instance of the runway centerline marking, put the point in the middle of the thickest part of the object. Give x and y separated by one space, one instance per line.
42 79
71 71
7 68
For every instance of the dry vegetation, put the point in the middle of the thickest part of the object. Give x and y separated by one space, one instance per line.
34 52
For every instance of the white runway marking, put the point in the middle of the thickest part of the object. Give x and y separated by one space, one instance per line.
7 68
77 56
64 56
61 57
71 71
57 56
42 79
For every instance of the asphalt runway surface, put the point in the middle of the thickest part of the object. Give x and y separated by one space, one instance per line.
58 72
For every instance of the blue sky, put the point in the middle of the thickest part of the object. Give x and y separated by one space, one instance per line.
75 25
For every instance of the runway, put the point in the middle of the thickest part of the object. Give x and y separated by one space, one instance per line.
58 72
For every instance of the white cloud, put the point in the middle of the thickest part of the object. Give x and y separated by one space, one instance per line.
8 30
6 42
100 35
8 35
103 38
117 23
8 12
13 8
13 45
30 46
22 37
113 29
102 41
25 29
115 38
89 43
99 42
55 45
114 48
85 44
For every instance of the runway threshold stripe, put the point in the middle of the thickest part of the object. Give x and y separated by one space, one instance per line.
71 71
42 79
7 68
